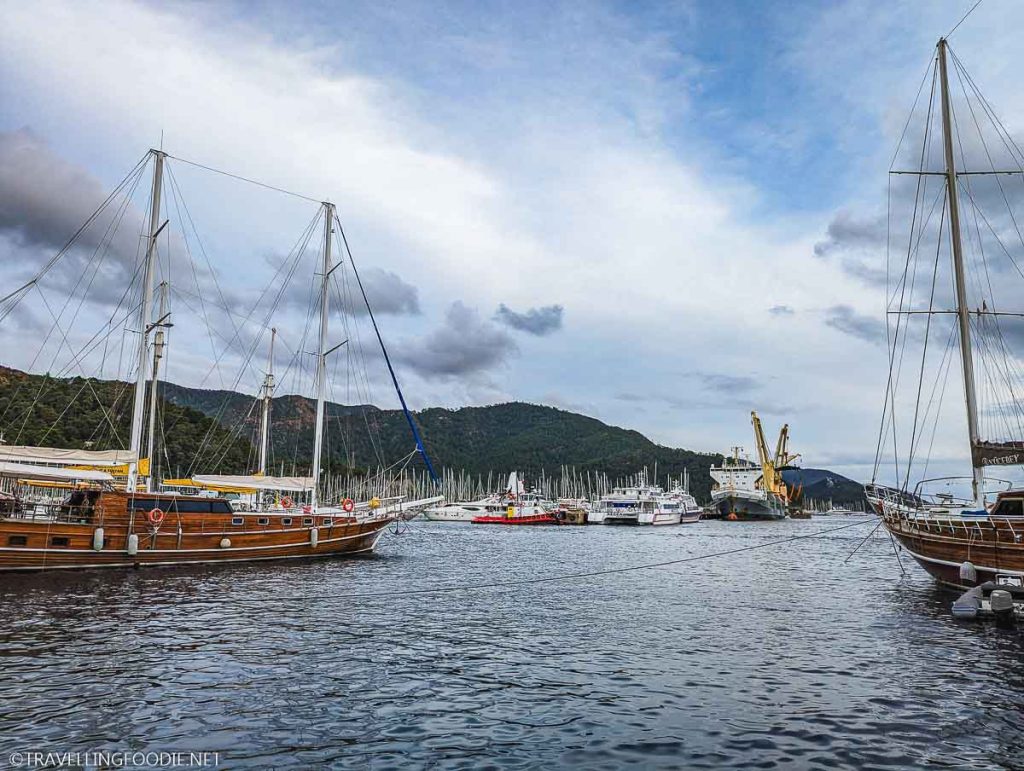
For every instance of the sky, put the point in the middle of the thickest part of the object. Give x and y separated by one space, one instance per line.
662 215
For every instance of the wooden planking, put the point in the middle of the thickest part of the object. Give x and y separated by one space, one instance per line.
180 538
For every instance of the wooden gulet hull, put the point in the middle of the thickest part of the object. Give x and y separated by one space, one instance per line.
102 539
995 547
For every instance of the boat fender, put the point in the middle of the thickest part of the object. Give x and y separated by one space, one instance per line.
511 512
287 502
133 545
375 502
97 539
1001 602
348 505
968 574
968 604
314 537
225 543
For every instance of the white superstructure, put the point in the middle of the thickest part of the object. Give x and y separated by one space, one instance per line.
644 504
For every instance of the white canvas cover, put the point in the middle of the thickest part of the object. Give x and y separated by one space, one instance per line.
290 484
50 474
20 453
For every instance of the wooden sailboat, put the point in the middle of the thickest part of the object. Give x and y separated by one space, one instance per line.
99 524
978 537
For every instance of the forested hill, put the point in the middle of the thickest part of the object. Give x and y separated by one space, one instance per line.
90 413
215 431
498 438
219 427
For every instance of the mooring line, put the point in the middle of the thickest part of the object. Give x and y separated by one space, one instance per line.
566 576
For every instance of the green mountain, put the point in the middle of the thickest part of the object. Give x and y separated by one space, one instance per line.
216 431
821 485
527 437
88 412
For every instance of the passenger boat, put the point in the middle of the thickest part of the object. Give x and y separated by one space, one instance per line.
643 504
969 531
112 514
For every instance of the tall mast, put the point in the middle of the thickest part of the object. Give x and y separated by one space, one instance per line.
268 395
962 311
145 311
321 356
158 354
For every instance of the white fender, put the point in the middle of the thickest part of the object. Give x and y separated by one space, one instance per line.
97 539
133 545
314 537
225 543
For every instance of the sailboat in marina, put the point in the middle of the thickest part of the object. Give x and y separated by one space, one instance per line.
114 515
963 531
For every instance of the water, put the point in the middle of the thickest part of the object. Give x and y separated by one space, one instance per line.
781 656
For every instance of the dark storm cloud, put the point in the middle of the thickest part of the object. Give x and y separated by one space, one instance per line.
535 321
44 200
465 344
849 322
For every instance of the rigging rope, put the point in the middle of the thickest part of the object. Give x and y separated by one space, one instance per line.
571 576
387 359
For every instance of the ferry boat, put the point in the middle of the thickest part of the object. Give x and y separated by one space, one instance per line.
644 504
112 514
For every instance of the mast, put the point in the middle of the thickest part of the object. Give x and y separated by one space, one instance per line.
267 395
962 311
158 354
321 356
145 311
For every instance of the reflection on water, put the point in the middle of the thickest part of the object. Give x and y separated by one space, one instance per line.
779 656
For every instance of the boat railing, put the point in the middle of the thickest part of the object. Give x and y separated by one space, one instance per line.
62 513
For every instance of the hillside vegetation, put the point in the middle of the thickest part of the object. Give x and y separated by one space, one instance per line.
214 431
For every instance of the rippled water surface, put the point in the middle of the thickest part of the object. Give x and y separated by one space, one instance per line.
779 656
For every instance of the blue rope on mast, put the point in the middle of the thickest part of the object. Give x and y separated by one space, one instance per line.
394 378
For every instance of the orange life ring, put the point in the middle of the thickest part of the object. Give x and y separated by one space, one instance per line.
155 516
348 505
287 502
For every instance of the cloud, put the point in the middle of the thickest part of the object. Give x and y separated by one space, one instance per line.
387 293
728 383
536 321
781 310
848 231
850 322
44 201
465 344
